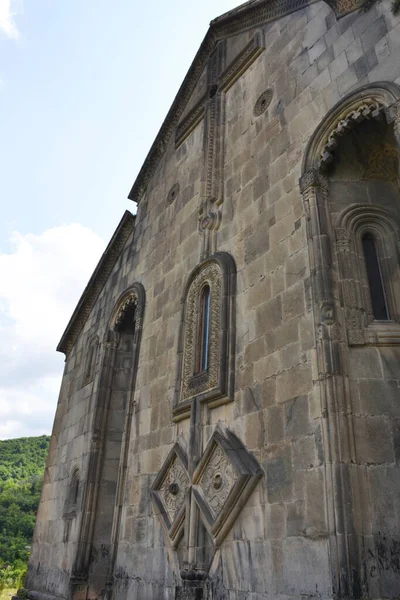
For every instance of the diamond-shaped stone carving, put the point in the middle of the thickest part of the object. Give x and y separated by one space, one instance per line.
223 482
217 480
169 493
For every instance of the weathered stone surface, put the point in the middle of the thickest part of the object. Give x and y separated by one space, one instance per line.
313 409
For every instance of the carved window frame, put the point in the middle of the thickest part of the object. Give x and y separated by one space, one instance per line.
352 224
91 359
214 386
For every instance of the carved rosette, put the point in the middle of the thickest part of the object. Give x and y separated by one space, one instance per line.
223 482
194 384
217 480
173 489
169 492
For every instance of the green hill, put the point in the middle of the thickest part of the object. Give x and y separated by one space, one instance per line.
22 463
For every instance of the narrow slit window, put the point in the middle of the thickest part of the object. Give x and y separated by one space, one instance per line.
75 491
204 330
375 280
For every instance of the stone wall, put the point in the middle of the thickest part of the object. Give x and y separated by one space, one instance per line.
282 543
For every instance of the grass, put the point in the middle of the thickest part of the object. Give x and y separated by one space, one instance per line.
7 593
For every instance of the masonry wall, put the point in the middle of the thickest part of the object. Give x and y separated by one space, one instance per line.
279 545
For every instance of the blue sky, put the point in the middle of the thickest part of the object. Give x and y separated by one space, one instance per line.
85 86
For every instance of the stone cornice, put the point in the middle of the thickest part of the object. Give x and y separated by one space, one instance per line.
250 14
96 283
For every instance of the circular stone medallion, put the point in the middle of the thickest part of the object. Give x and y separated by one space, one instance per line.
173 193
263 102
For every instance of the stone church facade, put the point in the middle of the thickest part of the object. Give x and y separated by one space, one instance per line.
228 425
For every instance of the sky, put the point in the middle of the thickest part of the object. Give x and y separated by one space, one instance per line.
84 88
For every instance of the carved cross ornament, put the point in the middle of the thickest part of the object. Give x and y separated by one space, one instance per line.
219 486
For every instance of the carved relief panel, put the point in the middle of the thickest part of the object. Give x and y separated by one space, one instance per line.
219 487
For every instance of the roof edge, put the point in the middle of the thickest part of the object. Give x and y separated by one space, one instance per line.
96 283
250 14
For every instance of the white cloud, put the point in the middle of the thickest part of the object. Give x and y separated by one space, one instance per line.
41 280
7 14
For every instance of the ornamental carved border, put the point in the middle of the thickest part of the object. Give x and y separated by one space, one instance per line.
215 385
194 384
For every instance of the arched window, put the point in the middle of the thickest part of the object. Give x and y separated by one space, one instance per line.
206 346
375 280
203 335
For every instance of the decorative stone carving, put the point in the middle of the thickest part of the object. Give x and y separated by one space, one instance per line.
215 385
263 102
129 302
342 7
351 222
343 239
220 487
211 220
194 384
393 113
366 109
217 480
223 482
169 492
173 489
173 193
311 179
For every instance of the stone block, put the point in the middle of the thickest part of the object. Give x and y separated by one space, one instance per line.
294 301
295 518
306 566
365 363
325 59
382 49
296 417
338 65
387 69
316 50
304 453
269 315
281 336
375 32
273 418
373 439
275 521
279 473
343 42
393 38
255 245
347 80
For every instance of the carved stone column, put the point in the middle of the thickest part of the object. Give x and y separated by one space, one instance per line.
332 381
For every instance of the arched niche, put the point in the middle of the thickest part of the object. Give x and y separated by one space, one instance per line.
350 190
111 433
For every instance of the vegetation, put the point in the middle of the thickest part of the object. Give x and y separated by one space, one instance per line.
22 463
